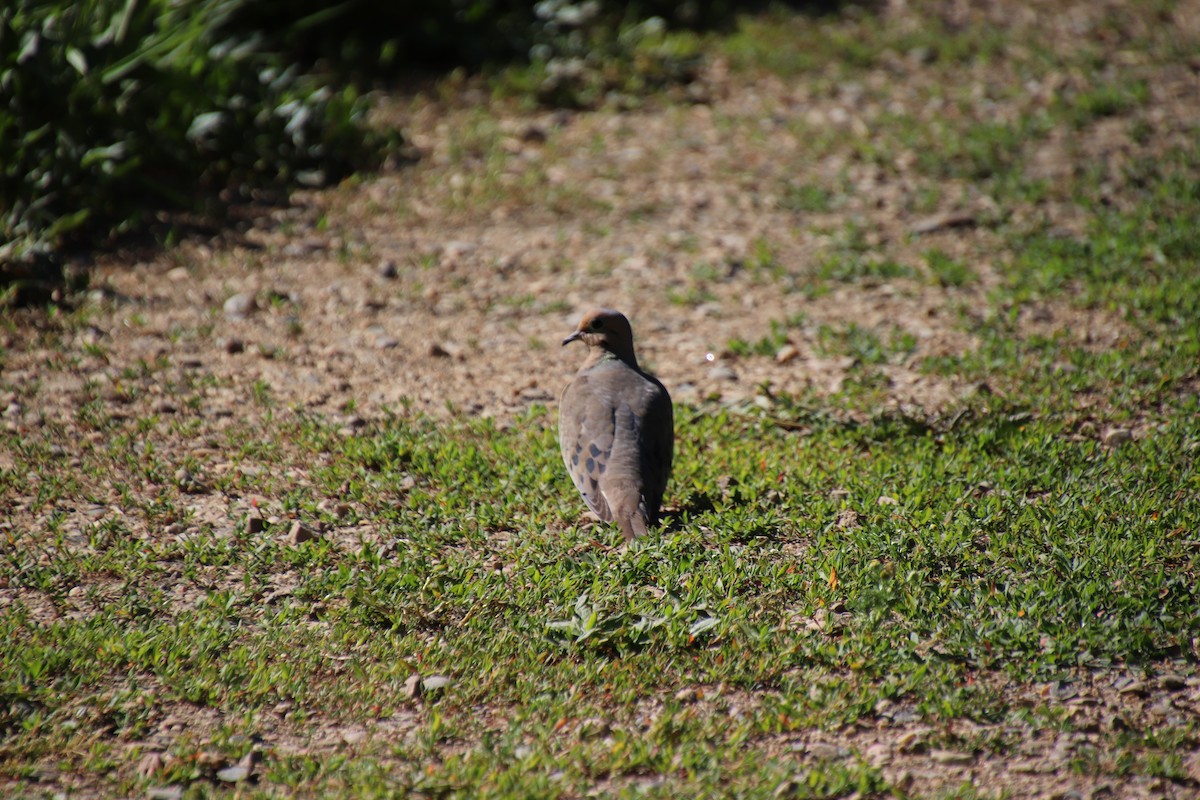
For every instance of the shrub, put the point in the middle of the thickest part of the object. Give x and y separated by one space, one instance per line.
116 107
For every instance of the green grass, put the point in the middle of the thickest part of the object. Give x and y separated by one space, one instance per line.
1011 548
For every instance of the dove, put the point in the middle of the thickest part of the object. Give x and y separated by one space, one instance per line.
616 427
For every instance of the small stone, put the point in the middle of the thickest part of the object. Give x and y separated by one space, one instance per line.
353 736
787 354
878 755
435 683
413 688
239 306
534 133
299 534
688 695
941 222
178 274
255 523
950 757
164 793
721 372
847 519
233 774
388 270
188 482
1172 682
1140 688
387 343
1115 437
885 500
826 751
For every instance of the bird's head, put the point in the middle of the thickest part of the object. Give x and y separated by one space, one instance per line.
607 330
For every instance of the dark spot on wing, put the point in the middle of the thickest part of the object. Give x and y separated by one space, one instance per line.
590 466
594 450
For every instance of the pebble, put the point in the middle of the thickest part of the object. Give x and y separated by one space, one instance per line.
826 751
787 354
233 774
435 683
722 373
413 688
188 482
239 306
353 736
950 757
164 793
1115 437
1172 682
255 523
942 222
878 755
299 534
388 270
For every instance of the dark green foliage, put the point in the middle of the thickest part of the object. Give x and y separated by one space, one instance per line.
369 38
117 107
561 53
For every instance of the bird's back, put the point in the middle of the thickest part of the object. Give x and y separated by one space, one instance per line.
616 433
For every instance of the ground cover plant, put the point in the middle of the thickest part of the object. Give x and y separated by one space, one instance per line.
283 512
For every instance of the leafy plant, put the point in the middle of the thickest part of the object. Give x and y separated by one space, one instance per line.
118 108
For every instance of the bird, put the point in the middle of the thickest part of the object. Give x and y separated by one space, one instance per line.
616 427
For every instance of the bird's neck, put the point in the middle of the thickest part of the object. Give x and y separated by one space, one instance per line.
599 355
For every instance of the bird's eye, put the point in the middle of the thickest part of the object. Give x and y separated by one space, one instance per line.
596 325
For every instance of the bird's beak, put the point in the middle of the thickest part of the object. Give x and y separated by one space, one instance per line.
573 337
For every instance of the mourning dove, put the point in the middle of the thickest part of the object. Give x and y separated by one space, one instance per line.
616 427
